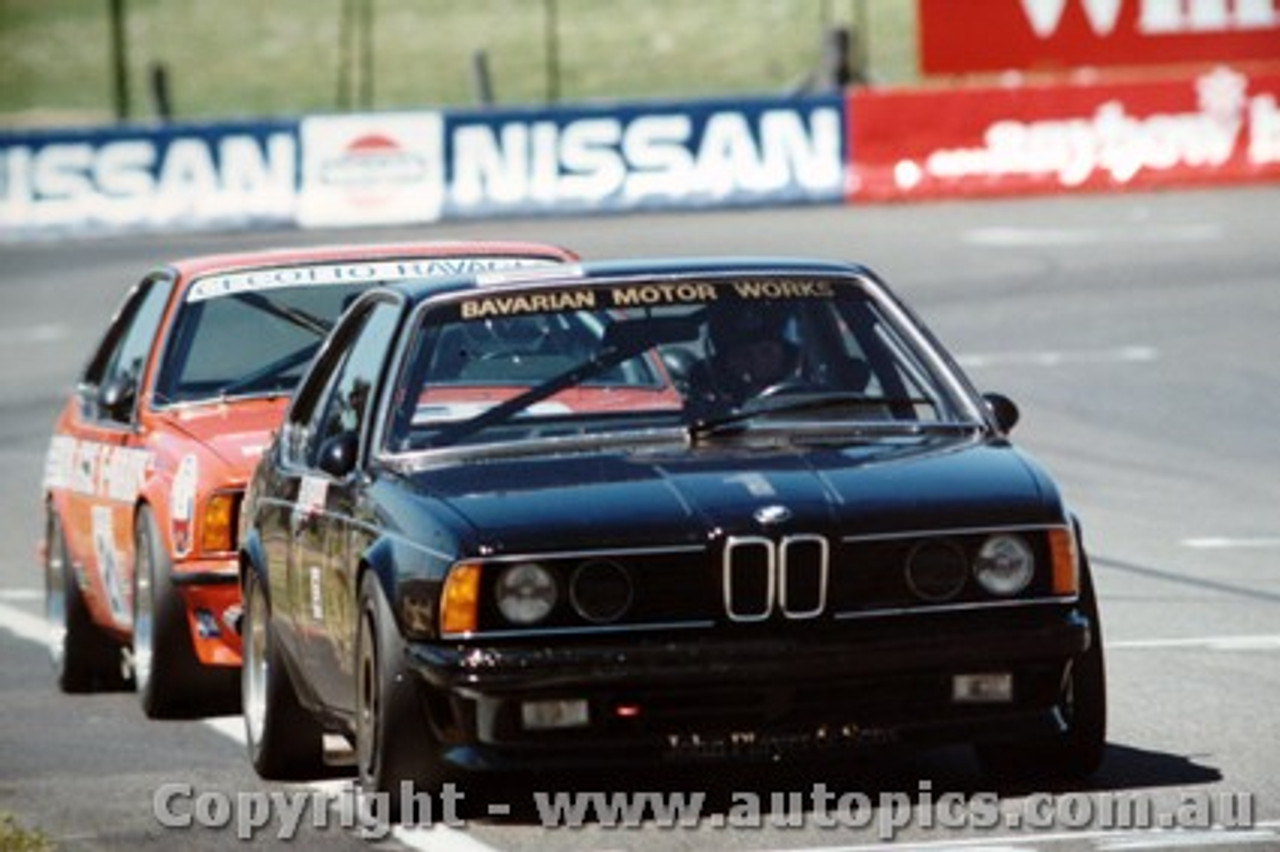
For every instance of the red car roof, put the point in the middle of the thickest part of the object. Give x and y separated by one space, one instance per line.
202 265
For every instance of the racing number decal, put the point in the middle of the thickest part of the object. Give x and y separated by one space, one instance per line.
316 589
108 558
95 469
313 491
182 503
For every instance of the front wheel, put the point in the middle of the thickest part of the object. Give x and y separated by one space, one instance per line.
84 657
285 742
169 678
1078 752
394 743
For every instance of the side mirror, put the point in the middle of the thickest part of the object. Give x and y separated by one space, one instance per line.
1005 410
117 397
338 454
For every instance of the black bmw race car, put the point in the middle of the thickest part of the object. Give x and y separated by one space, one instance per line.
644 512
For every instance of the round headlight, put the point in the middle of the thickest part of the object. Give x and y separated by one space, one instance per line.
936 571
526 593
600 591
1004 565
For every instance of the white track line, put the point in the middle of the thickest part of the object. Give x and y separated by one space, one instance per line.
24 625
1103 839
42 333
1226 543
1171 839
438 838
1263 642
1060 358
1014 237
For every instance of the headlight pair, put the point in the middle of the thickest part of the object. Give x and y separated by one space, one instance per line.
1004 565
527 593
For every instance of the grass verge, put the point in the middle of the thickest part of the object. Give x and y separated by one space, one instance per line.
247 58
15 838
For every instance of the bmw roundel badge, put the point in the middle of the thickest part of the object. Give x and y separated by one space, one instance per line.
772 514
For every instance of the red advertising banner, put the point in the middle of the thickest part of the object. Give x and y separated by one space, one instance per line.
1055 35
1220 126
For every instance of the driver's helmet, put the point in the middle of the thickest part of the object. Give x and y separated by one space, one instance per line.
750 345
732 324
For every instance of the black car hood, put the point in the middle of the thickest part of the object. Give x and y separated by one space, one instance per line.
671 497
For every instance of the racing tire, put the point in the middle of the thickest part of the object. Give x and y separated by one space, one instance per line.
1077 753
284 740
169 678
84 656
394 744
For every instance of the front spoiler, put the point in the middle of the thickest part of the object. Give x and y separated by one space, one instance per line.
719 697
211 594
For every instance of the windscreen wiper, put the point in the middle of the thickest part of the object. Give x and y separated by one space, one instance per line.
709 426
272 370
622 341
295 316
601 362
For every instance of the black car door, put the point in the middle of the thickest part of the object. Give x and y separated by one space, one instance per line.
332 428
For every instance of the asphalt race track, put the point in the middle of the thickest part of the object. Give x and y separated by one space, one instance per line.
1138 334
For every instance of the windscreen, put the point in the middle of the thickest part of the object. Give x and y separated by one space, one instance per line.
255 332
763 353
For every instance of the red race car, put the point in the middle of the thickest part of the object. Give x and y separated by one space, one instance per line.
151 453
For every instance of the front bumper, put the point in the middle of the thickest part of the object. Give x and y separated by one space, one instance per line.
756 694
210 592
